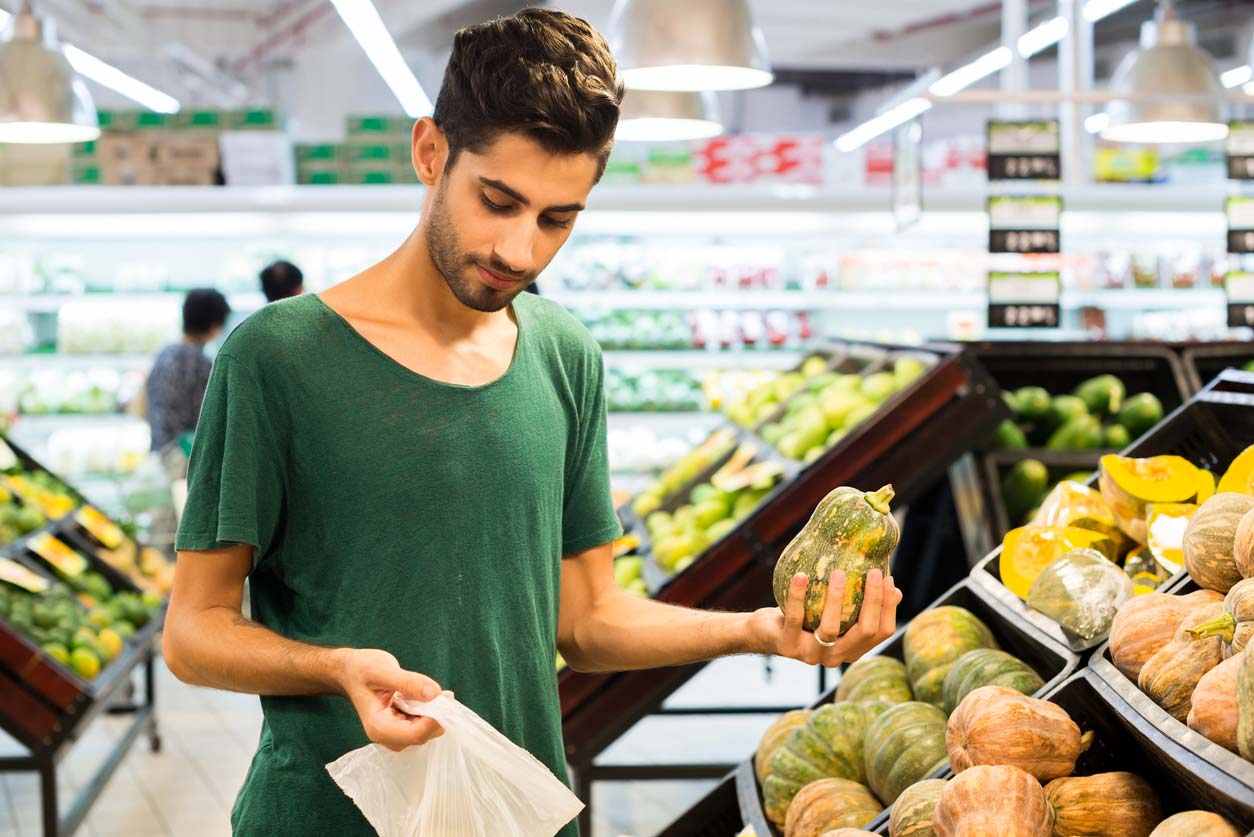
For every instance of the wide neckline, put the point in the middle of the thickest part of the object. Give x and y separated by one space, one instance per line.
404 370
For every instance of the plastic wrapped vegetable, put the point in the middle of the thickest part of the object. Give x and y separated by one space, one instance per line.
1075 504
1028 550
1082 590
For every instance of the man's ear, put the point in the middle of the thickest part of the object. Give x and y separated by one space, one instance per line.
430 151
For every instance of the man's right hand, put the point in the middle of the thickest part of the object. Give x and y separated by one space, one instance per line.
370 679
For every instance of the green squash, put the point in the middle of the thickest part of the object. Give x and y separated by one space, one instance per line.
1245 707
1022 487
850 530
904 745
1140 413
875 678
988 667
827 745
934 641
914 809
1102 395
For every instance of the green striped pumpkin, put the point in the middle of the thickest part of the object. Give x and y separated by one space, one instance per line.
904 745
988 667
828 745
875 678
934 641
914 809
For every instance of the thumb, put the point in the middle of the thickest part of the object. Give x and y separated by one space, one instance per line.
411 685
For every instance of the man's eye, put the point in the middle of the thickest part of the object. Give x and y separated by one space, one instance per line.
492 206
553 222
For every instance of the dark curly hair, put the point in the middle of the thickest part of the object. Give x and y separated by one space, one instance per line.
542 73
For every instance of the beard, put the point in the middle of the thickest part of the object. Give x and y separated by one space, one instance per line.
457 267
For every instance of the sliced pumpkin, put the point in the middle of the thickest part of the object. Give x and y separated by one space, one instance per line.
1075 504
1028 550
1205 485
1164 527
1130 484
1239 474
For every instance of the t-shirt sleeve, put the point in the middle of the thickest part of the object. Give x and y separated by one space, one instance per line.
588 516
235 476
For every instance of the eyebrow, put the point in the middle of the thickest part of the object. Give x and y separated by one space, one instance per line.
501 187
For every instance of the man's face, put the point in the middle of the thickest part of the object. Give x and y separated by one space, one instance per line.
497 218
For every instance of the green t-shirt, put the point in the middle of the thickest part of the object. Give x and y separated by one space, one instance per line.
392 511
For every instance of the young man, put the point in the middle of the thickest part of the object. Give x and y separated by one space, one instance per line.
281 280
411 467
176 384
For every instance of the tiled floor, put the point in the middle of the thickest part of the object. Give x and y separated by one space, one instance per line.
187 789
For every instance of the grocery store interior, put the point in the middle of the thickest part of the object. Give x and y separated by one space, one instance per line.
997 255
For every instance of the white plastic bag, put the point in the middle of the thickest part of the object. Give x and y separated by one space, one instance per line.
472 781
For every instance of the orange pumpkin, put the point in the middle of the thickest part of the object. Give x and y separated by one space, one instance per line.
1171 675
1195 824
1117 804
992 800
1144 624
997 725
1214 711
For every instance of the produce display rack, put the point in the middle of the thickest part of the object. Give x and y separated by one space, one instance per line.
1059 367
910 442
1204 361
1049 658
1209 430
46 705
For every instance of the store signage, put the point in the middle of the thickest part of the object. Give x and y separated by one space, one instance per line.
1024 300
1240 212
1239 288
907 174
1024 223
1239 146
1024 150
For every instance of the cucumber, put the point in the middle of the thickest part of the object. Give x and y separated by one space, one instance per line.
1022 487
1102 395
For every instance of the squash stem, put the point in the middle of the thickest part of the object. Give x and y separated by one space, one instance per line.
1224 627
879 500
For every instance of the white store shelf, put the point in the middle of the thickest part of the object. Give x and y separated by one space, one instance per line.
60 361
663 421
704 360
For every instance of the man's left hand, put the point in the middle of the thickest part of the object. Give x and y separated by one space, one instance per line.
773 633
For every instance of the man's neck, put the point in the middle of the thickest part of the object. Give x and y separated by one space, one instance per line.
190 340
415 290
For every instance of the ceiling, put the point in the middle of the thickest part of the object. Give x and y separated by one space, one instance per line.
222 52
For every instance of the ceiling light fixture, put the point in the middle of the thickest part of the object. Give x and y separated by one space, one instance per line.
1175 92
886 121
967 75
1043 37
362 19
41 99
661 116
688 45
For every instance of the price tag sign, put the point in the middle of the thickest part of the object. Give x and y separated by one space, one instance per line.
1239 288
1239 148
907 174
1024 150
1240 212
1024 300
1024 223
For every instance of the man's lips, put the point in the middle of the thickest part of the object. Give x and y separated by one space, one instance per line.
495 281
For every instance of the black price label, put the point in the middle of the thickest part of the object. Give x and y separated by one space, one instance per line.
1239 288
1024 300
1024 150
1024 316
1024 223
1239 148
1240 213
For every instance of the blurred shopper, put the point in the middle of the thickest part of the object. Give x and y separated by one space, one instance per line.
176 384
282 280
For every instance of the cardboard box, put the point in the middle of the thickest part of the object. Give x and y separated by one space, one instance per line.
200 120
187 151
257 158
85 174
128 173
83 150
319 152
377 125
320 178
260 119
177 175
374 155
116 147
370 176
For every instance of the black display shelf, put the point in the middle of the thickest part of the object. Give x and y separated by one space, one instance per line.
1049 658
1209 431
910 442
1204 361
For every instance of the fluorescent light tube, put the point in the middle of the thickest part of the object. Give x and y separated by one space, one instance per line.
362 19
1095 10
886 121
963 77
1042 37
1097 123
1237 76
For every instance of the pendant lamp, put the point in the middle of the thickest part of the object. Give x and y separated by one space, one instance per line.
42 100
688 45
660 116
